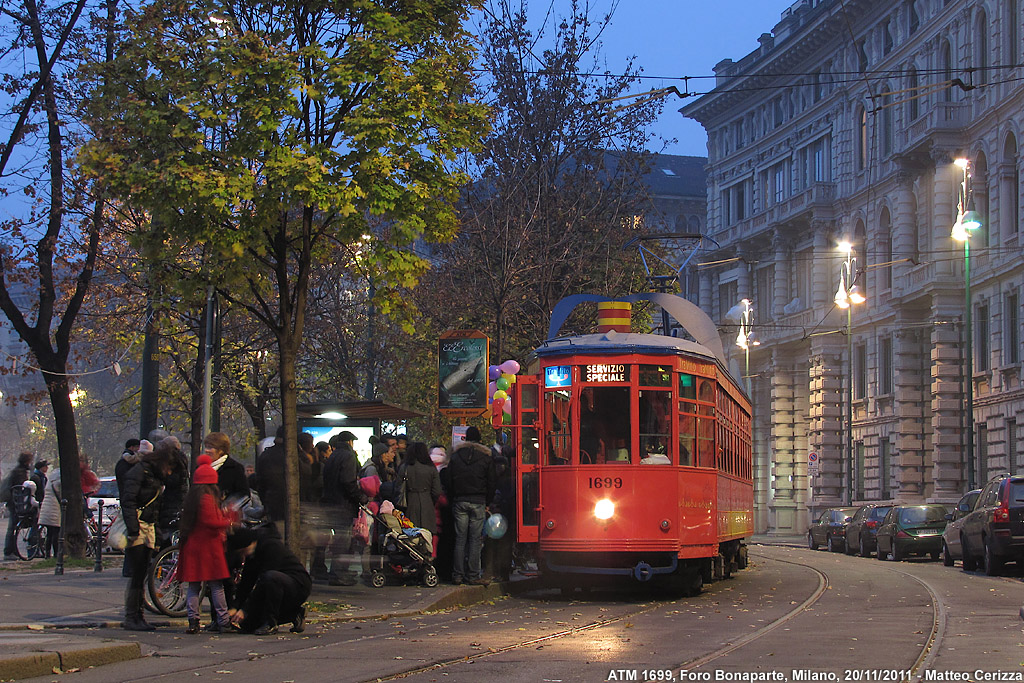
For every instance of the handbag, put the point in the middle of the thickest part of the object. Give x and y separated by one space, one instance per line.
117 534
361 527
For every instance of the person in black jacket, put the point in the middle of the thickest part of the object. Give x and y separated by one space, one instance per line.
342 497
273 586
230 473
140 507
15 477
270 478
175 487
470 481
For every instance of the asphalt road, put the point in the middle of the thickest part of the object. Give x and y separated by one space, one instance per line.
794 610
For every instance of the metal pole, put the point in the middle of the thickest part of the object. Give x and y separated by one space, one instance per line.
59 569
970 365
208 364
849 402
99 537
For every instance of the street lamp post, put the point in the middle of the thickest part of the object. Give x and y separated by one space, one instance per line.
847 294
744 340
966 222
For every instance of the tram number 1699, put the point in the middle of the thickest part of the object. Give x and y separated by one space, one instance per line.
605 482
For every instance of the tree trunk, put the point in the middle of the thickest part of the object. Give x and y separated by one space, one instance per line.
289 418
59 389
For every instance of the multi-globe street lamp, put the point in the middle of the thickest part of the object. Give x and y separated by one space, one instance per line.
846 296
967 221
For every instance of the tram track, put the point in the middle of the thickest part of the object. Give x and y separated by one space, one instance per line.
819 591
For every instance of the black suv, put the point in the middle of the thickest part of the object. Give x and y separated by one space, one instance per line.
993 533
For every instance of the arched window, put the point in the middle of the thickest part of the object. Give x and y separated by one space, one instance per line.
885 242
1011 32
862 138
946 67
887 121
981 47
914 102
987 234
1009 189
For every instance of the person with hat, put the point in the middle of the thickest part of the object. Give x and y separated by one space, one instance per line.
470 483
39 477
342 497
274 584
203 528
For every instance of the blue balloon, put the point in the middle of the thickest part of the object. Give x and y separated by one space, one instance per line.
496 526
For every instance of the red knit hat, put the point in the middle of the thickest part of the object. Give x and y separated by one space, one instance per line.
205 474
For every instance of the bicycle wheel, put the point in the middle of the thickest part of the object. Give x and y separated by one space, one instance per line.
165 590
36 545
21 542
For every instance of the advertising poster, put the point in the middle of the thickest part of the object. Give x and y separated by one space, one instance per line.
462 373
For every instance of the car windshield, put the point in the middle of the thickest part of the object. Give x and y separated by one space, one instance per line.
878 513
1017 492
108 489
922 515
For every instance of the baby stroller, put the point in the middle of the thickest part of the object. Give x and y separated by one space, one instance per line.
404 552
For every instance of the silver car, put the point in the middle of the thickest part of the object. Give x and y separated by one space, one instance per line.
951 550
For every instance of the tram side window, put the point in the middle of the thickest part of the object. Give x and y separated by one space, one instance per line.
559 433
655 427
706 423
604 425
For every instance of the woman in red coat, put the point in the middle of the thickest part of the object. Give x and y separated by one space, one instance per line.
203 528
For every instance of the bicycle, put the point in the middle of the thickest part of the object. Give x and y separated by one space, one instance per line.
163 585
30 538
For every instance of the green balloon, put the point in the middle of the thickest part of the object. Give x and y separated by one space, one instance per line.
506 419
502 384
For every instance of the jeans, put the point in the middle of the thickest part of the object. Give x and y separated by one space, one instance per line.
469 531
219 604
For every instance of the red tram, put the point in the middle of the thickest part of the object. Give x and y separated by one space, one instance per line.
634 459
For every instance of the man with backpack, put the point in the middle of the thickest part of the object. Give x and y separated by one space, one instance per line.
15 477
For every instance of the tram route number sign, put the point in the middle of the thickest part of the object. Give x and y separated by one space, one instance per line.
462 373
812 464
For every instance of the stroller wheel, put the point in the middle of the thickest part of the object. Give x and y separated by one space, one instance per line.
430 578
377 579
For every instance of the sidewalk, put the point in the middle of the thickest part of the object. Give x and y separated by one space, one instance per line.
39 608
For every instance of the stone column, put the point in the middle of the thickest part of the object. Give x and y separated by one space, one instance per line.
904 237
912 408
787 504
783 273
944 198
704 300
944 471
825 420
822 287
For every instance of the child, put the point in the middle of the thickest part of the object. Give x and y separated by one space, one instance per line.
203 530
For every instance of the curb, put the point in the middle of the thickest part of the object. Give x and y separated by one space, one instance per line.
46 662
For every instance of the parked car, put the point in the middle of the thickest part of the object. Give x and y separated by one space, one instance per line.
993 532
107 494
911 530
861 530
830 529
951 536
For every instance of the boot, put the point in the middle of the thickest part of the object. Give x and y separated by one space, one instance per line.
267 629
299 623
133 619
193 626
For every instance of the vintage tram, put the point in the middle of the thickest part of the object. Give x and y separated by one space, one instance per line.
634 456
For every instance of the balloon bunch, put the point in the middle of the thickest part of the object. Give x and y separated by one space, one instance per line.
502 378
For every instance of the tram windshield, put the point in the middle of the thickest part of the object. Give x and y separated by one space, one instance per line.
604 425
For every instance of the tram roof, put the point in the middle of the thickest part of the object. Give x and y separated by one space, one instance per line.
619 342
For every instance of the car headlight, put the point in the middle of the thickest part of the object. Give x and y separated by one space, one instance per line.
604 509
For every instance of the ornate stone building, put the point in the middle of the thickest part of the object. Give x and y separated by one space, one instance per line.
844 126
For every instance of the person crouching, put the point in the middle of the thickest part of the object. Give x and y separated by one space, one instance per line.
203 528
274 584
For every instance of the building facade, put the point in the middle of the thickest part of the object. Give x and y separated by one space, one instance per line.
844 126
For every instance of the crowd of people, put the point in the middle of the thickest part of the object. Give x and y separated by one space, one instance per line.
254 581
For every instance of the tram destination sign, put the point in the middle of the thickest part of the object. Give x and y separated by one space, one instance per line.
462 373
605 373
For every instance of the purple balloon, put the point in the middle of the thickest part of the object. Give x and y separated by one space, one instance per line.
494 372
509 366
491 388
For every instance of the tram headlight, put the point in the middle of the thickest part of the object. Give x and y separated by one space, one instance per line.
604 509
